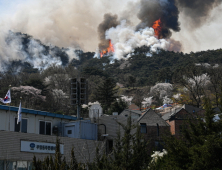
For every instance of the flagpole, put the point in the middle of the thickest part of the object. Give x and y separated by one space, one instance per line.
20 113
9 109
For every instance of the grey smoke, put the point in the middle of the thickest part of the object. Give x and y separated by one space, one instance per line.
165 10
108 22
197 10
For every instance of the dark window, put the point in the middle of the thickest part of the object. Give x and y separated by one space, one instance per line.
48 128
44 128
69 131
143 127
23 124
182 127
158 130
110 145
17 126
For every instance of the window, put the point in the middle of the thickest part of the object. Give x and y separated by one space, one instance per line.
21 125
45 128
143 127
1 164
110 146
69 132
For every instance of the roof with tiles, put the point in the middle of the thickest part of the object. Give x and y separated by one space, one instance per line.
191 109
174 111
37 112
151 118
132 112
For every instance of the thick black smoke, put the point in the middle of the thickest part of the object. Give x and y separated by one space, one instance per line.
165 10
108 22
197 10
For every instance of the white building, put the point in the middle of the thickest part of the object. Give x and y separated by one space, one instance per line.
36 135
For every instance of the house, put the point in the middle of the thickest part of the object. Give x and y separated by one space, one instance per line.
152 126
135 114
133 107
177 117
36 135
109 127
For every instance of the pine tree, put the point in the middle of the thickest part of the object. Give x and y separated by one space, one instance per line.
199 148
129 153
106 93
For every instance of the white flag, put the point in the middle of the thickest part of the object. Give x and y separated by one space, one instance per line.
19 113
7 98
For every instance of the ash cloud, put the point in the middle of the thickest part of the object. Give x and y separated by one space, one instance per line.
165 10
108 22
197 10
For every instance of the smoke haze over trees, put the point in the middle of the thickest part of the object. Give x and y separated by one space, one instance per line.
68 24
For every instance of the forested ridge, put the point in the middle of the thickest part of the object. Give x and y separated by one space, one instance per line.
47 87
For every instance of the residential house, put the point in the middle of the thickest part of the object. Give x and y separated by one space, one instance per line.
154 128
177 117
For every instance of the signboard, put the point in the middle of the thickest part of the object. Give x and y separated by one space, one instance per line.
39 147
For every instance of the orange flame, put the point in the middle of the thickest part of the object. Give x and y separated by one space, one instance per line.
108 50
157 27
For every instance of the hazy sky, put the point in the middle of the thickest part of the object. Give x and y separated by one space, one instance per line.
8 7
71 23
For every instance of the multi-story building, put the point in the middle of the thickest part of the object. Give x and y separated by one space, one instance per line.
36 134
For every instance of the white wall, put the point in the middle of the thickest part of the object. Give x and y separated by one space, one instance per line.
32 123
95 110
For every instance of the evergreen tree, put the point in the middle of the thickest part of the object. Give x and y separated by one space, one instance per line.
106 93
132 80
129 153
57 163
118 106
199 148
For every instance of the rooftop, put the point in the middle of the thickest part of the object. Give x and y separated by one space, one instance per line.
37 112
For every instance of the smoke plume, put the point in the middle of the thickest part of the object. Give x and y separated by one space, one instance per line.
22 47
165 10
108 22
197 10
125 39
78 24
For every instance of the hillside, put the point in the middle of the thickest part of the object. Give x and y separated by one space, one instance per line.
46 86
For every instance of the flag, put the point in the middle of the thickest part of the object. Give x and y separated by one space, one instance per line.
19 113
7 98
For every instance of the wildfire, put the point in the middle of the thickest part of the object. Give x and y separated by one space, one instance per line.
157 27
108 50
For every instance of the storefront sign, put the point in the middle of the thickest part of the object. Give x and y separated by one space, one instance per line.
39 147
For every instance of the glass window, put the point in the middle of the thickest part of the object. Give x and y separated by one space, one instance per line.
41 127
24 125
10 165
44 128
143 127
69 131
30 167
48 128
110 145
1 165
22 165
18 126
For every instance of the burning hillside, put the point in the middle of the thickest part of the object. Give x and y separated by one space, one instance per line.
115 28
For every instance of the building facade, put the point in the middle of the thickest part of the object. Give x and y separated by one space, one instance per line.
36 135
